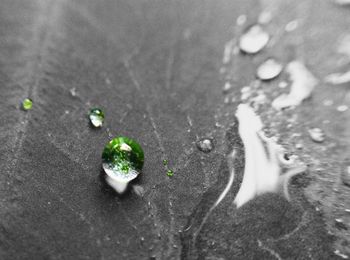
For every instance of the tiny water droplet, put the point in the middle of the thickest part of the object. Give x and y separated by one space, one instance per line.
269 69
170 173
253 40
265 17
342 108
122 161
327 102
317 135
299 146
27 104
227 87
205 145
97 117
282 84
291 26
73 92
241 19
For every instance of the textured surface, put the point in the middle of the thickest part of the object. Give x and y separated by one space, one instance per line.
154 68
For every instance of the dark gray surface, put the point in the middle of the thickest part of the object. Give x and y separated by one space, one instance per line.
153 66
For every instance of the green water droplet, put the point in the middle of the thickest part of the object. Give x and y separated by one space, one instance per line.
27 104
122 160
97 117
170 173
165 162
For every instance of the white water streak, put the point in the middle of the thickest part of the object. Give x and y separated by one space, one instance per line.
263 171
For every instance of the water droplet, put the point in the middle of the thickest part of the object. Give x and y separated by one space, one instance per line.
227 87
338 78
265 17
73 92
299 146
342 108
291 26
170 173
97 117
327 102
122 161
282 84
269 69
205 145
317 135
27 104
241 19
253 40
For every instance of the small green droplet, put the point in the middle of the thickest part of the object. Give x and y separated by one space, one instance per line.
165 162
27 104
97 117
170 173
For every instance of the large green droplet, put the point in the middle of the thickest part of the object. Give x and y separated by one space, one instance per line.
97 117
27 104
122 160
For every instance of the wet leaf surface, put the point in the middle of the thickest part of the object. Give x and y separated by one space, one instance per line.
154 68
